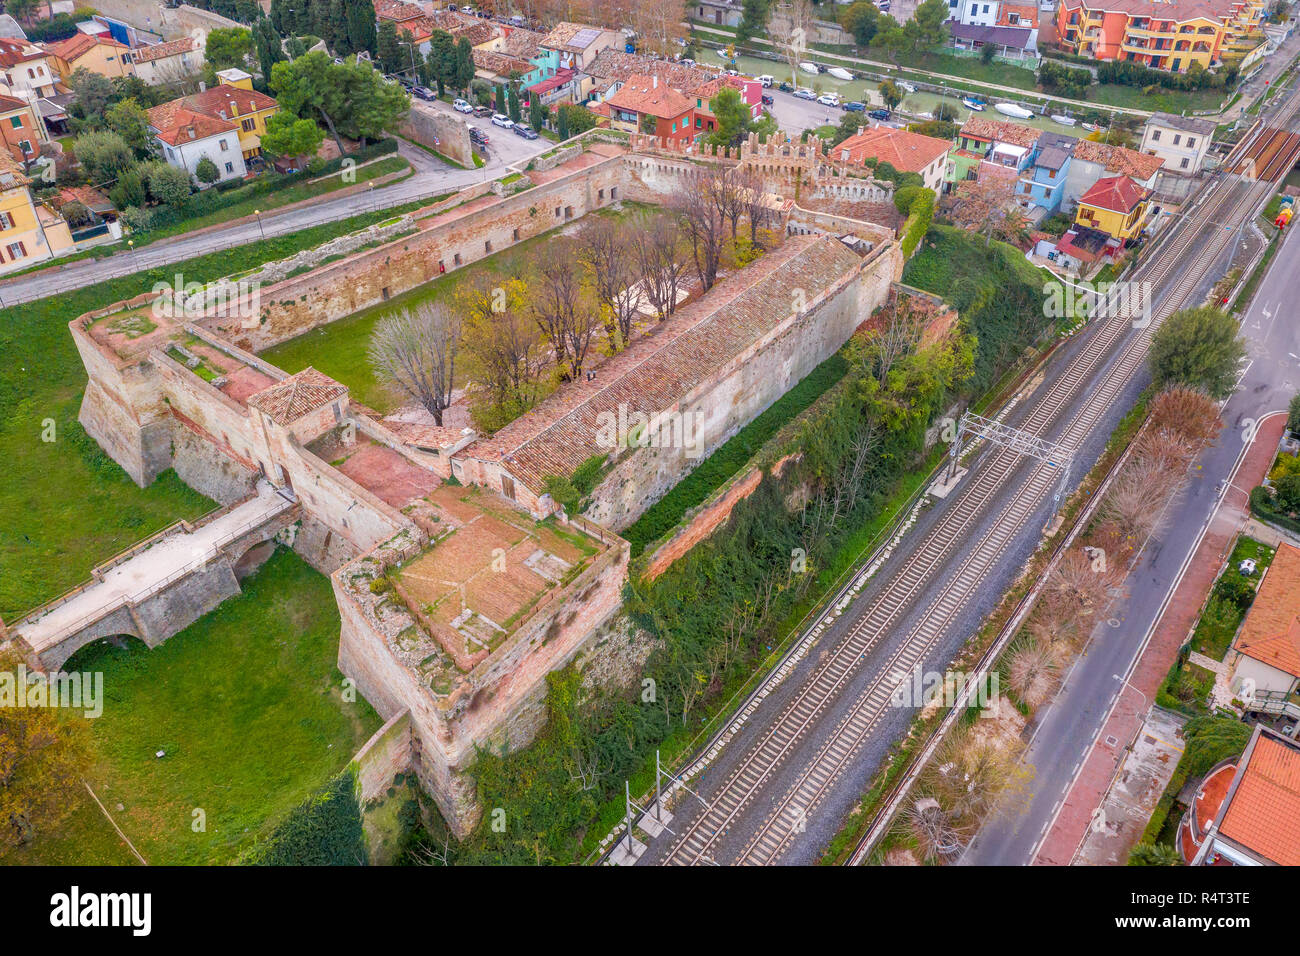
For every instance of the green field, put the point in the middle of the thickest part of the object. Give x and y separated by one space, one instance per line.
64 505
246 705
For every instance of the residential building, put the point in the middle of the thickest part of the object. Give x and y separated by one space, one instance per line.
974 12
1264 660
1043 184
576 45
1116 206
1171 35
234 99
26 68
1009 43
560 87
907 152
97 53
170 62
1091 161
611 68
524 45
719 12
502 68
703 121
1181 142
1007 146
20 133
1247 810
643 104
29 231
185 137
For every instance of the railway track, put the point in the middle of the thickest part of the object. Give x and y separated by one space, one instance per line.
780 825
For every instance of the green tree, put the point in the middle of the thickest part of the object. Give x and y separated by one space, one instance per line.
361 26
929 24
351 98
442 60
287 135
987 52
22 9
733 116
228 47
167 184
128 119
1154 854
499 104
753 20
389 53
572 119
129 190
562 121
270 51
890 94
1198 347
538 114
861 20
512 102
91 93
295 47
464 65
103 154
1293 414
206 171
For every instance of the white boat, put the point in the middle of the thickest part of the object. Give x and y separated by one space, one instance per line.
1012 110
905 86
840 73
1063 120
972 104
1091 127
809 68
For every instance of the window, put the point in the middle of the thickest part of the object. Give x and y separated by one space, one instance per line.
1177 138
224 145
16 122
1155 136
230 167
487 245
16 250
515 235
248 125
1184 163
31 74
6 221
1191 142
25 145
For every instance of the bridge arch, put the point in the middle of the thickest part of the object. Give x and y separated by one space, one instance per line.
84 657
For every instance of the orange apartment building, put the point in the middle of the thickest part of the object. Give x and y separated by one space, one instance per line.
1161 34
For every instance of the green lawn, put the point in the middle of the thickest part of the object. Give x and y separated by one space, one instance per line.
64 505
339 348
246 704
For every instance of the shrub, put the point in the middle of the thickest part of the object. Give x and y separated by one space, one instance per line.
324 830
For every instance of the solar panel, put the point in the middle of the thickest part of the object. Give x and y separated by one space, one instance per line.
584 37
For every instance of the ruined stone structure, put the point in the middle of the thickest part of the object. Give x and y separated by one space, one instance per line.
458 598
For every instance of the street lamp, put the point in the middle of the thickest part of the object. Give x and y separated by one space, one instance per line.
260 227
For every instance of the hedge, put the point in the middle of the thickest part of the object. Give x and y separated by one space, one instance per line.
1261 506
324 830
233 191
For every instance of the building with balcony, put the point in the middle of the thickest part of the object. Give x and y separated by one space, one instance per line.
1116 206
645 105
1173 35
1042 185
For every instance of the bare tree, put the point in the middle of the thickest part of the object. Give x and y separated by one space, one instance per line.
727 193
795 43
606 249
506 345
656 242
416 353
897 334
1031 670
1137 498
753 193
1188 411
558 308
939 834
987 206
701 221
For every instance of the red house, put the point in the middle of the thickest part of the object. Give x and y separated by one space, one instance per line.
644 100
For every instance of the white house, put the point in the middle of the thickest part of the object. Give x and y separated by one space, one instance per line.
185 137
1182 142
170 62
980 13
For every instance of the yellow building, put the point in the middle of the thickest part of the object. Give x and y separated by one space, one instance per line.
1174 35
234 99
29 232
98 54
1116 206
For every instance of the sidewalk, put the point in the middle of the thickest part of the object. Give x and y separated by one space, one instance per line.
1131 706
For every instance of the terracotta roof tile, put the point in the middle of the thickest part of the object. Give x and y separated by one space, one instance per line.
176 123
1271 631
1116 193
906 151
80 44
159 51
1263 812
287 401
641 94
1118 159
999 131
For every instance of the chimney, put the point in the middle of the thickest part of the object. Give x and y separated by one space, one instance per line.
654 80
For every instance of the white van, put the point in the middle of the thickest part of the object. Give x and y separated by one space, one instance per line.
767 80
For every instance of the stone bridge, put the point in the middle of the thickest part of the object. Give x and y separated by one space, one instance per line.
160 586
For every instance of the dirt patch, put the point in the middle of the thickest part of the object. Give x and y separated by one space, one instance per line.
388 474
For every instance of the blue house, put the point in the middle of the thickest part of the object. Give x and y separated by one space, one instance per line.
1042 184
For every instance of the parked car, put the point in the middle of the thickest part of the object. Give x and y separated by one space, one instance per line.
785 87
804 93
500 119
423 92
768 99
881 115
482 111
853 106
828 99
478 136
527 132
517 21
767 79
460 106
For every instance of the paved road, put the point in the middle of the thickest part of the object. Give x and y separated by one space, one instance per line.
432 177
1068 726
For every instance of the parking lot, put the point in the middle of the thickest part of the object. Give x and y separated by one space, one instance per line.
504 147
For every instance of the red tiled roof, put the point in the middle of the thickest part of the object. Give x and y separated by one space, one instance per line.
1025 13
80 44
1118 159
287 401
9 104
396 10
553 82
1271 631
1000 131
906 151
500 64
230 100
644 95
1116 193
159 51
1177 11
176 123
13 51
1263 812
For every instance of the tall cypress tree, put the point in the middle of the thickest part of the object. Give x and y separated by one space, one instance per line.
361 26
